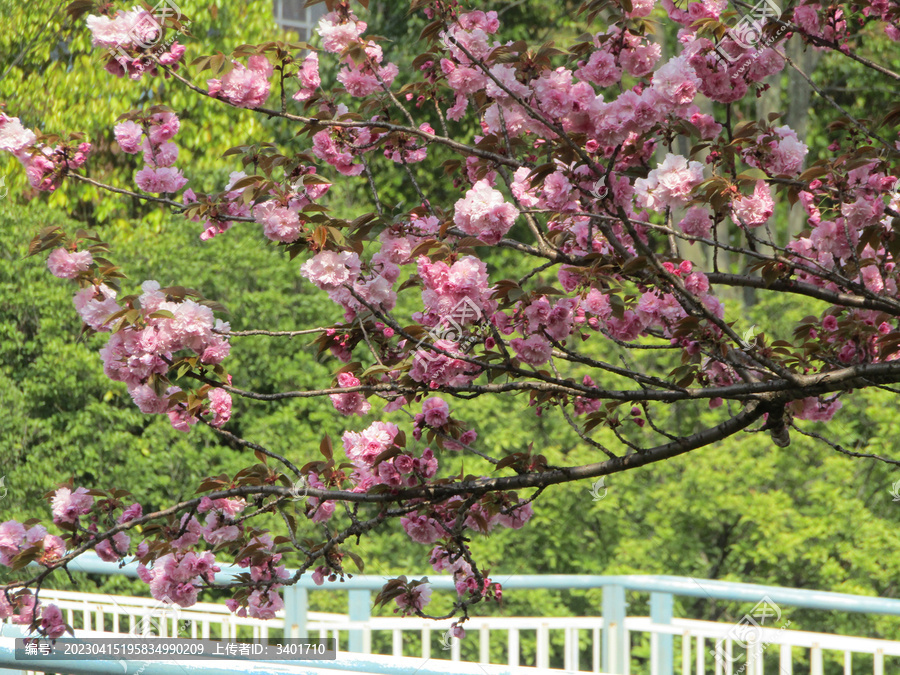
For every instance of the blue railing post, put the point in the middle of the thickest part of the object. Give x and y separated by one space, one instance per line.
614 649
296 605
661 612
360 609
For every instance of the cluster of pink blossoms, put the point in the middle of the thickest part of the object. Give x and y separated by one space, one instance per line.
459 292
67 264
835 233
669 184
68 508
401 470
365 78
754 210
279 216
175 578
264 600
443 560
234 206
131 38
140 352
830 24
22 610
340 30
436 415
244 86
178 576
309 78
352 403
444 367
434 523
484 214
342 275
338 147
45 167
778 153
14 539
154 140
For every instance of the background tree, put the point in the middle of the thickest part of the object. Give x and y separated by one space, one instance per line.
685 419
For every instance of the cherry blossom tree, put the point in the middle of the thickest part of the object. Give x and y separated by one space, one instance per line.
574 169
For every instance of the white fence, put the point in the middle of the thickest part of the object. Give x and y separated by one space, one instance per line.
539 637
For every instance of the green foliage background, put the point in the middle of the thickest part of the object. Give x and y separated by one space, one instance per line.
742 510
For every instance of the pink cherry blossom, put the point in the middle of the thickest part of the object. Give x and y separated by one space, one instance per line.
128 136
68 265
52 623
125 29
600 69
131 513
330 270
816 409
669 184
422 529
454 295
784 155
415 599
362 448
436 411
163 127
114 549
367 77
484 214
218 531
68 505
318 575
696 222
12 535
325 147
353 403
807 17
676 82
754 210
41 170
264 604
54 547
533 350
437 369
14 137
244 86
174 576
337 35
280 223
219 406
161 180
309 77
160 156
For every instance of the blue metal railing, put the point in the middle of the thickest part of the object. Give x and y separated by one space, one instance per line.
662 590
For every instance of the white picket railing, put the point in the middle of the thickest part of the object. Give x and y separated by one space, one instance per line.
698 640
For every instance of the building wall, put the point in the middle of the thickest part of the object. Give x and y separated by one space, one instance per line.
291 15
